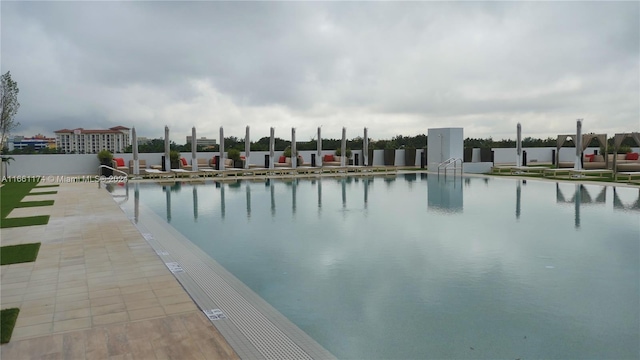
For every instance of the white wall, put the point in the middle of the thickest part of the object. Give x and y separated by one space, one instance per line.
87 164
444 143
508 155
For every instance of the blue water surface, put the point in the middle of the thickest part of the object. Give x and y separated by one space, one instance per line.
416 266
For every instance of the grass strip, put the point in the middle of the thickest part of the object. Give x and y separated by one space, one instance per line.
43 193
47 186
16 254
11 194
24 204
8 319
24 221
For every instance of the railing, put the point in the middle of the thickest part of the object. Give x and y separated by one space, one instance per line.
109 185
447 163
102 178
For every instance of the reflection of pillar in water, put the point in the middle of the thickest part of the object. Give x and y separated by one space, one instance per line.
167 191
319 193
222 204
294 186
195 202
344 193
136 203
273 199
366 192
248 191
518 195
577 201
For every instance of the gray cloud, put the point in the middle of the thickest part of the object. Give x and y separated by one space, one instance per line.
398 68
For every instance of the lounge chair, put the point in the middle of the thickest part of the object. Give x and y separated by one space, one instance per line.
202 164
158 173
331 160
142 165
118 163
283 161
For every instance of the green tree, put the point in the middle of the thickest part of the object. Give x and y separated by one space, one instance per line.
10 105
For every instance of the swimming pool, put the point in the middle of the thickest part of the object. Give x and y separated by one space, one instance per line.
417 266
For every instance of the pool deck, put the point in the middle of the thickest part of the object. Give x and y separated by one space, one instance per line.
98 290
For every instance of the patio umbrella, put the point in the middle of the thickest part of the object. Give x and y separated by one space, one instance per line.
221 167
167 160
519 146
365 147
247 148
194 149
272 145
578 140
136 162
294 156
319 154
343 152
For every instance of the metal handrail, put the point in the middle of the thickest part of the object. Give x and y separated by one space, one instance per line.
451 161
109 167
100 178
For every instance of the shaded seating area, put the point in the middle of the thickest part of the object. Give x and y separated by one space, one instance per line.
629 162
591 161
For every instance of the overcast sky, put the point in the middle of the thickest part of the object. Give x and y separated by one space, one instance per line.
394 67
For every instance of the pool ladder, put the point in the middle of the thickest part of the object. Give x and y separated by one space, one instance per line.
445 165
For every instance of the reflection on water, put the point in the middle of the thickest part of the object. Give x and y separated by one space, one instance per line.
581 196
620 205
445 194
421 267
195 202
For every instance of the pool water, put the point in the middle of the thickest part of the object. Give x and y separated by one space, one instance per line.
417 266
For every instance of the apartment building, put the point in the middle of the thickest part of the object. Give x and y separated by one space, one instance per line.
82 141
